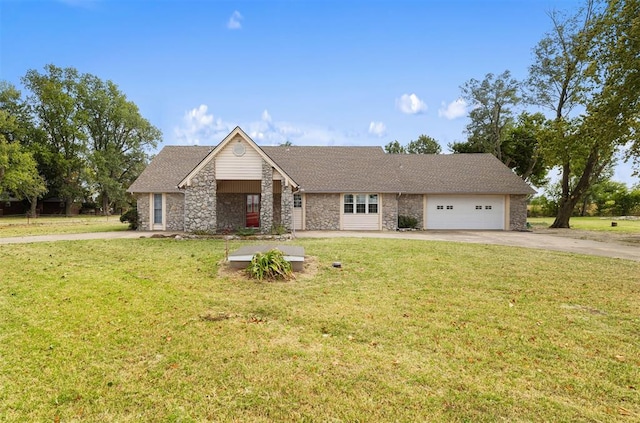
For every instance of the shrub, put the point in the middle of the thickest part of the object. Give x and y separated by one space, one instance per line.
246 231
131 216
270 265
407 222
278 229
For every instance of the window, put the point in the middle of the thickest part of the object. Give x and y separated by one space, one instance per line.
373 203
348 203
439 207
478 207
449 207
157 209
297 201
487 207
361 203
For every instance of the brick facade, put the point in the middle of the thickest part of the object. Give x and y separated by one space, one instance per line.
518 212
389 212
412 205
144 220
200 201
174 211
231 211
266 198
322 212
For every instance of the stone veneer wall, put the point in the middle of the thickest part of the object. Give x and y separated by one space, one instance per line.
322 212
286 207
200 201
389 212
277 207
231 211
518 212
174 211
266 198
144 220
411 205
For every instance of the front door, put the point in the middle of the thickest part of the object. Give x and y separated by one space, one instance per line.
253 211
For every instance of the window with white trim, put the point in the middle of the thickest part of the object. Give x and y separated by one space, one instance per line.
487 207
157 209
449 207
478 207
360 204
297 201
439 207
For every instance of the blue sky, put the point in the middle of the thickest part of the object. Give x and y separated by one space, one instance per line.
311 72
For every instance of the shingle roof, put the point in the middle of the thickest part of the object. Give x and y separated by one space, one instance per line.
456 174
168 168
369 169
354 169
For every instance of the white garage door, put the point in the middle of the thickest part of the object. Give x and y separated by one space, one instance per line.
465 212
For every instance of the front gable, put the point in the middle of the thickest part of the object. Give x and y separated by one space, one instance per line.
238 157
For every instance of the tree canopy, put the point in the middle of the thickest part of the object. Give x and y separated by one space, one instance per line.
423 145
85 137
583 63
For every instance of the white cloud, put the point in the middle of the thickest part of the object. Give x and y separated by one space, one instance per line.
411 104
453 110
377 128
234 20
199 127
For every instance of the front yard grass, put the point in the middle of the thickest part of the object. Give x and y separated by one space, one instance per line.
592 224
147 330
22 226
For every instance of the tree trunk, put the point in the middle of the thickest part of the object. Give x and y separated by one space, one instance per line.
564 214
67 207
33 205
570 198
105 204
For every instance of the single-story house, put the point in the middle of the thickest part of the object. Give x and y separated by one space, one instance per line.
240 184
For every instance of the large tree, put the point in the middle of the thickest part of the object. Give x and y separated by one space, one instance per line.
494 129
492 101
521 148
57 113
424 145
118 137
18 170
394 147
578 66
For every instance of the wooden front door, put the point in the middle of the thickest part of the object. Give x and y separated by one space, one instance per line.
253 211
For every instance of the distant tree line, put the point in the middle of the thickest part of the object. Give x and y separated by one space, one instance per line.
73 136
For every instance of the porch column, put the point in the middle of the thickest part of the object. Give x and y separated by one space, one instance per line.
200 201
286 207
266 198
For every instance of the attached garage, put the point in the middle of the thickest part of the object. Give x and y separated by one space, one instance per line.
482 212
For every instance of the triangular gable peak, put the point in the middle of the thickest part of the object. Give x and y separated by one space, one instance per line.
246 148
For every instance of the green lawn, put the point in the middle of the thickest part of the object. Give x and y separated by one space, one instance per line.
147 330
591 224
21 226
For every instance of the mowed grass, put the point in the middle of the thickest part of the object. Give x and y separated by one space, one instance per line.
21 226
147 330
592 224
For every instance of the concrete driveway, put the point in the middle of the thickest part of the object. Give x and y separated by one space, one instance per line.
515 239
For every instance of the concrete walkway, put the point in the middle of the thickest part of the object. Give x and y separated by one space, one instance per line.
515 239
